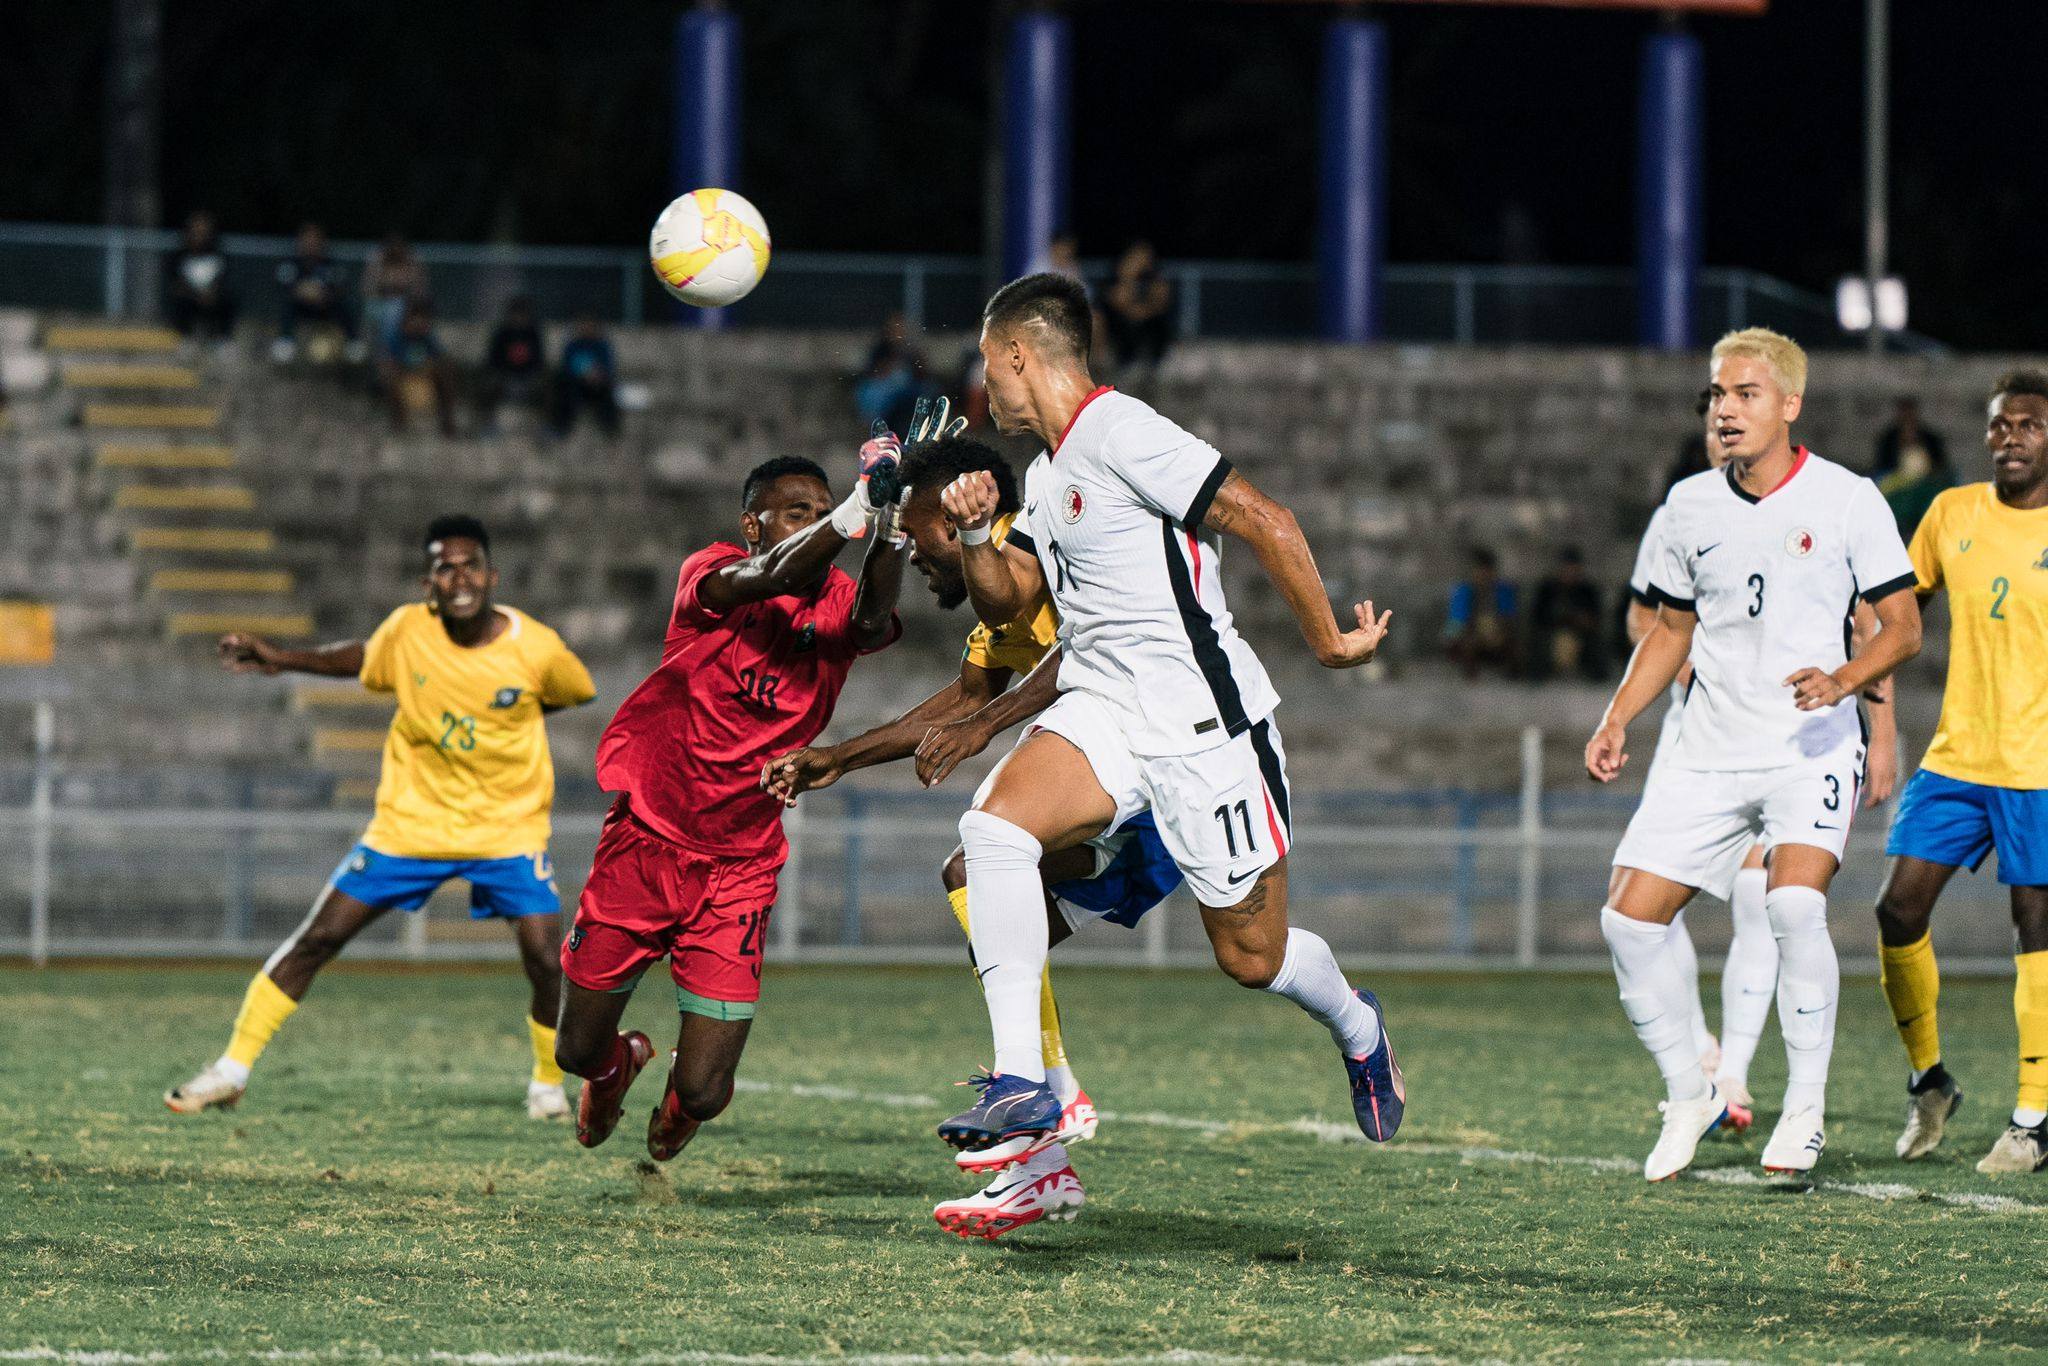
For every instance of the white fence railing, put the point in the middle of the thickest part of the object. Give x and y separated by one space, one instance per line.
1491 879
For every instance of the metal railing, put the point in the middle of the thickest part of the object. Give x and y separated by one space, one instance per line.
1508 878
115 271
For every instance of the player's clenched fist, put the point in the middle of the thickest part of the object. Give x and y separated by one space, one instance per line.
1604 753
970 500
245 653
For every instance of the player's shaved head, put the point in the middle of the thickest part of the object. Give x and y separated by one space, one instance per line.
763 476
1048 310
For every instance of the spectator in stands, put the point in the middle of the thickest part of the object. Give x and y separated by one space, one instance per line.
587 379
894 377
1063 257
395 280
313 315
515 362
416 373
198 300
1567 620
1911 466
1692 457
1481 629
1138 309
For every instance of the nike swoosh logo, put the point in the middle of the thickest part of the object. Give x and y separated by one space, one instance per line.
1705 548
981 972
1808 1010
1236 878
1818 826
994 1193
1640 1023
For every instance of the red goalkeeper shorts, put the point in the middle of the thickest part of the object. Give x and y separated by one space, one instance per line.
649 899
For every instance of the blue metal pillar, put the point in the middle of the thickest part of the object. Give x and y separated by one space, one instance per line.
707 118
1035 139
1670 120
1351 229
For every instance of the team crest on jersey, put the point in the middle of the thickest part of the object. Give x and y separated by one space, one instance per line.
507 697
1799 543
1072 505
576 939
807 636
2042 563
358 861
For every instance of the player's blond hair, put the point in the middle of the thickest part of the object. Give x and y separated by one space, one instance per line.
1775 349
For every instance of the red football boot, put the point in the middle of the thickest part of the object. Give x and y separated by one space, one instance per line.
669 1130
603 1101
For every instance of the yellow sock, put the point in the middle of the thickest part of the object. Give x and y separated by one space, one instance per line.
544 1070
1049 1041
264 1008
2030 1008
1912 984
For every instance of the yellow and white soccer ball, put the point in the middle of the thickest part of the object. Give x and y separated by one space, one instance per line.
710 248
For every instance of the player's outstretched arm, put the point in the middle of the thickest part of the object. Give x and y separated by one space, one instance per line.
1002 580
1658 657
948 744
1896 640
1275 536
880 584
808 769
1881 765
244 653
796 563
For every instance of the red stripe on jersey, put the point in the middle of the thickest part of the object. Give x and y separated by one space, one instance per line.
1273 819
1097 392
1797 465
1195 554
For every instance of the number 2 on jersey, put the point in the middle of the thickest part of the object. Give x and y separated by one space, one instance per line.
1243 809
2001 586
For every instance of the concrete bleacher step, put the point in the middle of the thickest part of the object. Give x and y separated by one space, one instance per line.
332 742
104 375
185 497
109 337
355 792
152 416
169 456
224 581
211 539
277 625
338 697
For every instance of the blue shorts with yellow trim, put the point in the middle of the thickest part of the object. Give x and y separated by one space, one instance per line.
1948 821
504 887
1139 875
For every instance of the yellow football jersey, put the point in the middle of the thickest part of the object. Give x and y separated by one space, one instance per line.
1994 562
1021 644
467 774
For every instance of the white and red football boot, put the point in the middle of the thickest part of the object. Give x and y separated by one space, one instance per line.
1043 1187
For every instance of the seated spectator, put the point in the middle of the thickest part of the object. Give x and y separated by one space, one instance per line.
416 373
1063 256
314 316
197 297
515 362
1480 631
1911 466
1138 309
587 379
1567 619
395 279
894 377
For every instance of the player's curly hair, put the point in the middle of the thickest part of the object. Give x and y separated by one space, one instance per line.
935 464
2033 383
782 466
1056 303
455 524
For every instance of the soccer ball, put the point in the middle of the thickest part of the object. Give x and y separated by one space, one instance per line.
710 248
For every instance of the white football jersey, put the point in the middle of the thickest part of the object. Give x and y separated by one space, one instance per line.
1114 514
1775 581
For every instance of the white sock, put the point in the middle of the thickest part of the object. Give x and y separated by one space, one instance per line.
1749 979
1688 960
1061 1080
2027 1119
1309 977
1809 989
1654 997
1009 935
236 1072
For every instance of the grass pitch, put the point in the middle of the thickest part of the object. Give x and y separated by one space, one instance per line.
380 1191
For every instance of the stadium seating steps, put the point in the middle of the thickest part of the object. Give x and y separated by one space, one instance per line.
1395 458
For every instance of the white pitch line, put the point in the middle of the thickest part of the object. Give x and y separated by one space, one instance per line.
1328 1132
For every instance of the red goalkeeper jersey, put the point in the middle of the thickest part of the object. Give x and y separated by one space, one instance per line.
733 690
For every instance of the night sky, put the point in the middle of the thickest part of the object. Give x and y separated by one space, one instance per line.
1194 125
